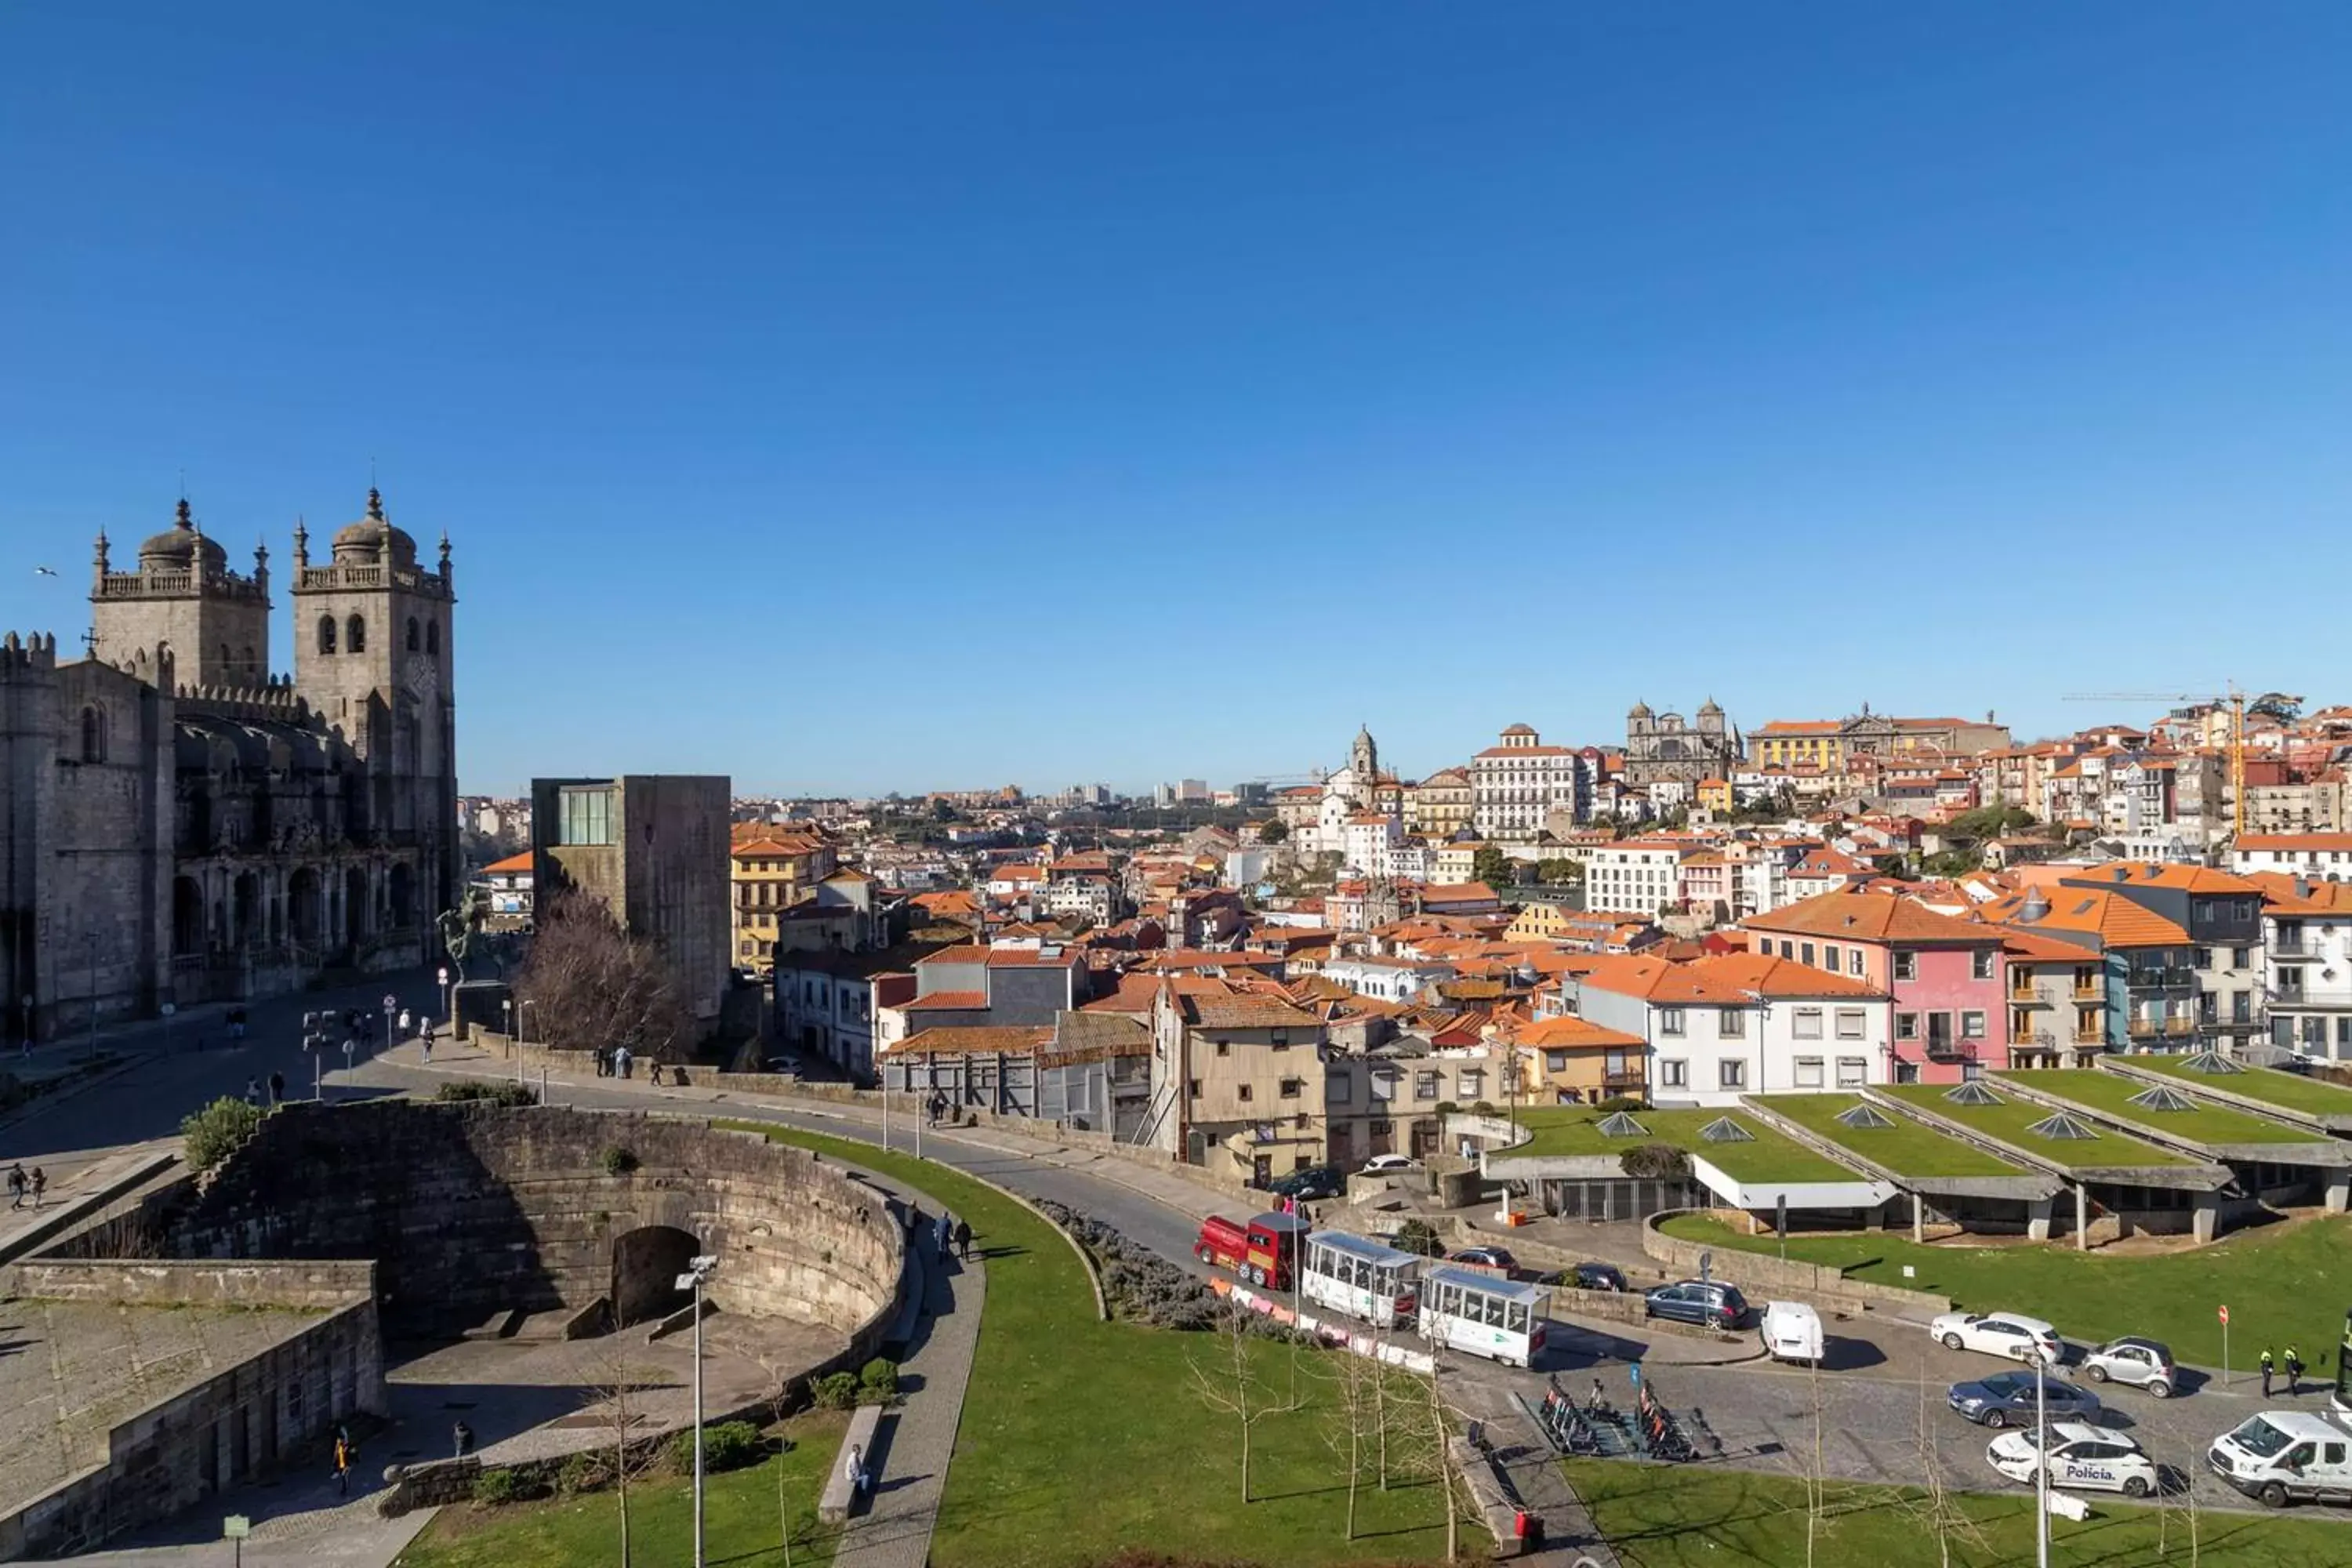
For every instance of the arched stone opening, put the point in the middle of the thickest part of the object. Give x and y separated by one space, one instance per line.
646 1263
404 898
305 913
245 919
356 925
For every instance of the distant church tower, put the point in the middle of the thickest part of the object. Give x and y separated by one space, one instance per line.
374 651
1364 760
183 598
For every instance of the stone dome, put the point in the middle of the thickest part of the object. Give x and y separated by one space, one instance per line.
1640 709
182 546
1709 707
362 543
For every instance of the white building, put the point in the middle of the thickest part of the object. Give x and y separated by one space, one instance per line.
1739 1024
1519 781
1386 979
2324 855
2307 966
1644 875
1369 843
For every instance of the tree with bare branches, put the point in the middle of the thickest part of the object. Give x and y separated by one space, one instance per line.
593 987
1231 1382
614 1383
1355 1399
1941 1517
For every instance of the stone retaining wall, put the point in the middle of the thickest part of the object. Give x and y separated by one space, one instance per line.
1757 1273
321 1286
477 1209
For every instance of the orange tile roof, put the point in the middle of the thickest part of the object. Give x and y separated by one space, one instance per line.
1248 1012
2034 948
972 1001
2320 898
2150 874
962 1041
1868 917
1571 1033
510 865
2118 920
1771 976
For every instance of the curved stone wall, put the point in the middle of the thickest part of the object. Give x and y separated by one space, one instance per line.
471 1210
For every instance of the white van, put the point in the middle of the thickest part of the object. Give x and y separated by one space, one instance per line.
2286 1455
1791 1331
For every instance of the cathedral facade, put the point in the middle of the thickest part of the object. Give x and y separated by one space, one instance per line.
181 825
1666 746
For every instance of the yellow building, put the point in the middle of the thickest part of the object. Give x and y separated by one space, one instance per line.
1440 805
1571 1061
1715 795
1538 923
771 870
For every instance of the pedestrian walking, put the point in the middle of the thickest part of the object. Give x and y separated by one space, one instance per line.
236 1023
41 1186
914 1220
963 1239
2294 1367
2266 1370
942 1234
621 1060
425 1043
852 1466
253 1093
343 1463
462 1435
277 1088
404 1020
16 1186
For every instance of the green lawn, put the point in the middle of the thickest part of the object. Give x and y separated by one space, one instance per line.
2313 1096
1575 1130
2107 1091
2288 1282
1080 1437
1909 1148
1661 1517
740 1517
2008 1120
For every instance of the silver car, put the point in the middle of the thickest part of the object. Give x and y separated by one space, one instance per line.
2134 1361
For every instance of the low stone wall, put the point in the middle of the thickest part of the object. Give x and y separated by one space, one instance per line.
167 1458
1757 1273
321 1286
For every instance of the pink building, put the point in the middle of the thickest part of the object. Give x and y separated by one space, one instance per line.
1950 1013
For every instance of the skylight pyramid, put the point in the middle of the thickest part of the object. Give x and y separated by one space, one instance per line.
2162 1098
2060 1126
1867 1117
1972 1093
1617 1124
1724 1130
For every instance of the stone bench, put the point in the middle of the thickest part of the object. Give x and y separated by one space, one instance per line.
832 1504
1490 1495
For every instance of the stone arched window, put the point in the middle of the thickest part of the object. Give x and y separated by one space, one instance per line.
413 640
93 734
224 663
355 635
432 638
252 665
326 634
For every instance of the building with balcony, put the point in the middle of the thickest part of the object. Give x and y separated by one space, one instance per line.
2130 985
2307 964
2222 914
1568 1060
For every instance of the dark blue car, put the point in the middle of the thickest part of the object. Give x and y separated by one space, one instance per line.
2006 1399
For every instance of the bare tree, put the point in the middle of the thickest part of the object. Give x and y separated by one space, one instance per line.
1354 1377
1231 1384
593 987
613 1383
1942 1518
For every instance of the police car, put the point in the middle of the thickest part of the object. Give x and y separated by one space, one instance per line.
2092 1458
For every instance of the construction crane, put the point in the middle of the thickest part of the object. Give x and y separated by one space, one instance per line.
2230 696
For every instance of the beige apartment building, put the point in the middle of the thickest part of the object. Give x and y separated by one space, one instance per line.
769 871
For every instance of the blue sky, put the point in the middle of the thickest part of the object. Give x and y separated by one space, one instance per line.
907 395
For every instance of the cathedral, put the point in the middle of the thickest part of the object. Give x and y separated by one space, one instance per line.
182 825
1666 746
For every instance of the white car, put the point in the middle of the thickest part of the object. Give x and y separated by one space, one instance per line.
2079 1456
1391 1163
2000 1333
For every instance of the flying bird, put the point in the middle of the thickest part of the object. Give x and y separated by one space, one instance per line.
46 571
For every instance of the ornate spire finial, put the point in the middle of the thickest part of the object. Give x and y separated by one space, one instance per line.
444 552
376 504
185 519
301 542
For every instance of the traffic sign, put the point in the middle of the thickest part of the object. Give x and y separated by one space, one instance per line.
2225 1317
390 1001
236 1527
168 1008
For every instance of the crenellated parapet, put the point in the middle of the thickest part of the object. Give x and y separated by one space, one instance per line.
28 658
275 702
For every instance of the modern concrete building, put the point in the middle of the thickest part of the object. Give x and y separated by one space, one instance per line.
652 849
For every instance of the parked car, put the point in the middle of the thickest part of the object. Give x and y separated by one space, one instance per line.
1380 1163
1491 1257
1712 1305
1315 1182
2136 1362
2007 1399
783 1064
1999 1333
2079 1456
1589 1277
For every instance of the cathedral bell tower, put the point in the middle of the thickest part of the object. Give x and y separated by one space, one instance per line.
374 651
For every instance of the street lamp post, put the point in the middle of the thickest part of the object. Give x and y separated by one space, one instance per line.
697 1269
523 1019
2041 1471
